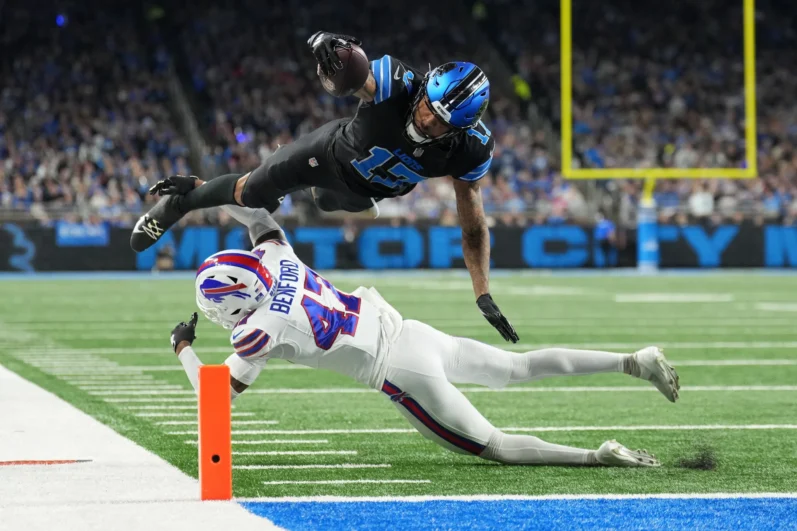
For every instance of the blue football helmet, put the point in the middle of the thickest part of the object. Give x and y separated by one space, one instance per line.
458 94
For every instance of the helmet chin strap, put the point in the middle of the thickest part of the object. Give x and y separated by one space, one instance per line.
415 135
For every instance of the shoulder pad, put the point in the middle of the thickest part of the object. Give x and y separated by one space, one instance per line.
249 340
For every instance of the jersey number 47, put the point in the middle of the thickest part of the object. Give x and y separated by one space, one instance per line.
328 323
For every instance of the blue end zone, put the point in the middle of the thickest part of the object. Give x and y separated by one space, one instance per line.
733 513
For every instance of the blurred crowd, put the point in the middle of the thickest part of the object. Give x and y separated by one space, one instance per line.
86 122
84 125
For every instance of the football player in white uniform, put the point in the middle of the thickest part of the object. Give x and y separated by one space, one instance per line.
277 307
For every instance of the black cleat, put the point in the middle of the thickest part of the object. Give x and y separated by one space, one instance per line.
152 225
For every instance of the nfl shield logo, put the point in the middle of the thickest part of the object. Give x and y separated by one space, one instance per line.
313 162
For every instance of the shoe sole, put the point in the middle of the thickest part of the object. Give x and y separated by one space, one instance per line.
632 459
149 229
668 377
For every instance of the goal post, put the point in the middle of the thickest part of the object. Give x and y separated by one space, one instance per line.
647 259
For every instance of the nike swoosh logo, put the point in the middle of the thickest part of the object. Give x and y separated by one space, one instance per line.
139 223
235 336
396 75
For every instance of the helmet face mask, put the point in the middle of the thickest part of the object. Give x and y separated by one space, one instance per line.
230 284
457 94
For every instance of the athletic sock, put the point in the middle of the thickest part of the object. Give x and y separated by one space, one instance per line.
530 450
563 362
215 192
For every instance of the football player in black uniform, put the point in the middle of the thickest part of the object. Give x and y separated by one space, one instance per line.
409 127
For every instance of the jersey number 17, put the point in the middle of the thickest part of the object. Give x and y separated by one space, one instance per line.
328 323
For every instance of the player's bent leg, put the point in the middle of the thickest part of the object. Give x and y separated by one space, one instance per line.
441 413
302 164
416 381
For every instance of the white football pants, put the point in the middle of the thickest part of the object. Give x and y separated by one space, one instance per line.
426 363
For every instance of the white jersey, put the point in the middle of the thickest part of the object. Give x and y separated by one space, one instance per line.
309 322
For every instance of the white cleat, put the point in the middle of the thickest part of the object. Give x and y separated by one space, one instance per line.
655 368
612 453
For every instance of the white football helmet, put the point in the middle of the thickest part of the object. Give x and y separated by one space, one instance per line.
229 284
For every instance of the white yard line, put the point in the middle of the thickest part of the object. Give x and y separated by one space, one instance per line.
112 379
271 441
673 297
694 345
303 467
234 422
169 408
235 414
345 481
296 452
731 363
777 306
149 400
375 431
148 387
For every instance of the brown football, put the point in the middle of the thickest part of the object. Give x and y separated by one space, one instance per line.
352 76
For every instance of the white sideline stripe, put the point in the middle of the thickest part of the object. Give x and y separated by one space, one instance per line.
345 481
673 297
521 497
235 422
273 441
298 452
695 427
188 414
539 389
300 467
125 487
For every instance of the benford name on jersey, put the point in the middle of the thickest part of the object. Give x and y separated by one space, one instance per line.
286 287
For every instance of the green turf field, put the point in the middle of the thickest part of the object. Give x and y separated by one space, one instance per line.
104 346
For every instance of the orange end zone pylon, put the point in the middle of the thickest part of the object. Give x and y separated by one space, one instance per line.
215 437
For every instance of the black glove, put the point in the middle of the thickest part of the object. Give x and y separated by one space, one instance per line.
323 46
174 185
184 332
491 312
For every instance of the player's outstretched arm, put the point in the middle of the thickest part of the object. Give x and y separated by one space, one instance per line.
183 336
476 251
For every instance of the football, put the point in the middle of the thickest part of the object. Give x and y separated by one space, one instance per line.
352 76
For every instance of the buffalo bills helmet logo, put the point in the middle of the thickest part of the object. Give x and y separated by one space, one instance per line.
217 291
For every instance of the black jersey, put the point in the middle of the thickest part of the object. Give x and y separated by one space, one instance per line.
376 158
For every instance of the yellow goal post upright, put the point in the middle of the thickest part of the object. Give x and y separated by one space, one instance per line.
647 241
